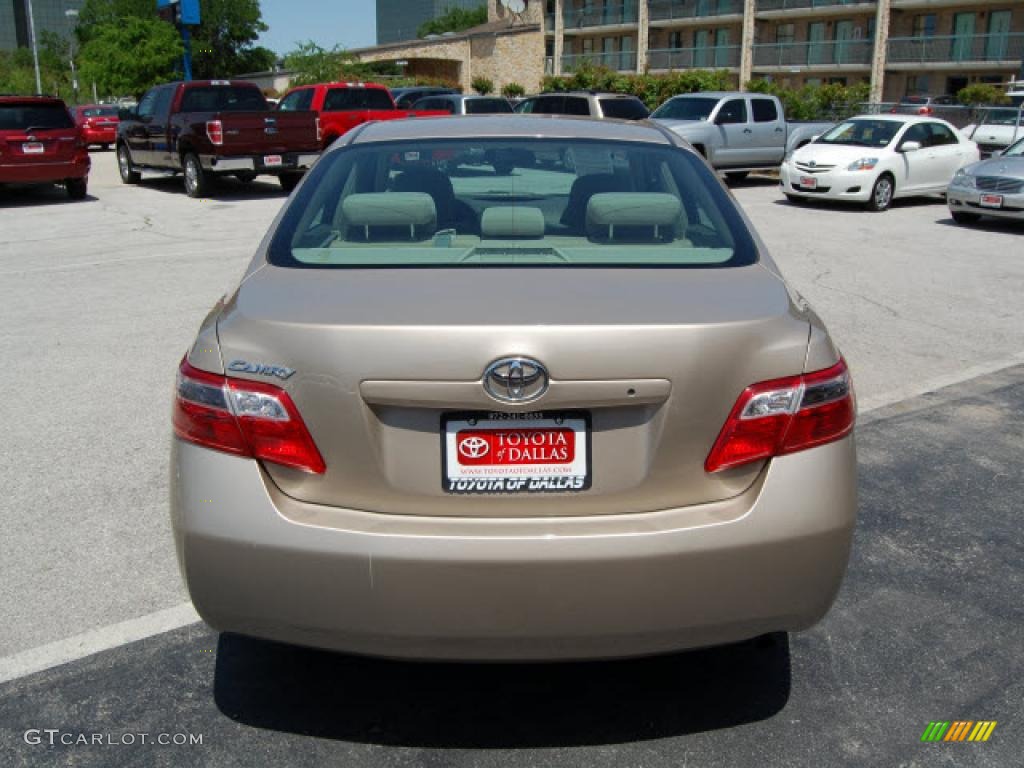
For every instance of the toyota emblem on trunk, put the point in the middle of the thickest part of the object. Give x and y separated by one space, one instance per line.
515 380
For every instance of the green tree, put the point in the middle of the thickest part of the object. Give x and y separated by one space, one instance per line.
130 56
223 45
311 63
981 93
454 20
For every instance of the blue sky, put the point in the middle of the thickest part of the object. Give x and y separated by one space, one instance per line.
350 23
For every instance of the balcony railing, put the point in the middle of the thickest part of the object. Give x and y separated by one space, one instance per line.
623 61
662 10
810 54
599 15
789 5
1008 46
717 57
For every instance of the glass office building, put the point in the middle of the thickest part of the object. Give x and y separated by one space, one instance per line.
398 20
49 15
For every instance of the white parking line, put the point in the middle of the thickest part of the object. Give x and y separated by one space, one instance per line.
95 640
105 638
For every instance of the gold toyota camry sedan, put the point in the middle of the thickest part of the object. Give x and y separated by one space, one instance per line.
507 388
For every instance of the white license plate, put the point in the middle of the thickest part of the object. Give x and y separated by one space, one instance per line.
540 452
808 182
271 160
33 148
991 201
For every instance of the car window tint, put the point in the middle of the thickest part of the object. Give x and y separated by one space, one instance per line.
145 108
100 112
764 110
223 98
18 117
918 133
526 106
549 105
576 105
504 202
732 111
297 101
623 109
162 103
487 106
862 133
347 99
940 135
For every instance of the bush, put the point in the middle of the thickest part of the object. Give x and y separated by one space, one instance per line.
653 90
981 93
482 85
815 102
512 90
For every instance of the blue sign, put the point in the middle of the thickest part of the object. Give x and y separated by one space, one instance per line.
187 10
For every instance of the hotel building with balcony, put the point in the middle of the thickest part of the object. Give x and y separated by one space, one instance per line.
901 47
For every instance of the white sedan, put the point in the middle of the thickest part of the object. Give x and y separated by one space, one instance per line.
873 159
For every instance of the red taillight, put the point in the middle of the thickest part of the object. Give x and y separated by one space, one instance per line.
215 132
924 111
247 418
783 416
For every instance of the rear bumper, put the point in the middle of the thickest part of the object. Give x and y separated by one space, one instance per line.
258 563
290 162
99 135
44 172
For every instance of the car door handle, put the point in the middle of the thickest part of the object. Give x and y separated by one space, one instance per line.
747 130
778 130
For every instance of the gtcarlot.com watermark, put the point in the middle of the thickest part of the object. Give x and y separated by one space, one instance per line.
56 737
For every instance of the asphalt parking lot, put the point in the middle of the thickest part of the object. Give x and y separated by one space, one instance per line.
100 299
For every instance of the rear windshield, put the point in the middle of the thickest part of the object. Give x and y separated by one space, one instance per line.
685 109
487 106
1008 116
21 117
500 203
100 112
342 99
223 98
862 133
624 109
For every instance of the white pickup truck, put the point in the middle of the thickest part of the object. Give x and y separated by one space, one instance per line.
996 128
737 132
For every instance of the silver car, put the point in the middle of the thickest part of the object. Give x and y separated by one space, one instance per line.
993 187
451 413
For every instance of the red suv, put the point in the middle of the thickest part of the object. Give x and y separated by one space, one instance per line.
98 123
40 144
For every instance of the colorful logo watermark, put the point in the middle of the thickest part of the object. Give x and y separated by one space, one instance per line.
958 730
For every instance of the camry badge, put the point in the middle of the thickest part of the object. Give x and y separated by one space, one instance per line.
242 366
515 380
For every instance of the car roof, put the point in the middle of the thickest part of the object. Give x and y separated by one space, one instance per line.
599 94
718 94
897 118
516 126
10 98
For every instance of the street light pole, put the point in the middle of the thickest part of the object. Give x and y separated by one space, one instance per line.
71 13
35 48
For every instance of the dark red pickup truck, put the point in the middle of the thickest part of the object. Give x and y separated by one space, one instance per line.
343 106
206 128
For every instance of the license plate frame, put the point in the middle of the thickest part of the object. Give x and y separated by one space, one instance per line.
808 182
991 201
33 148
569 473
273 161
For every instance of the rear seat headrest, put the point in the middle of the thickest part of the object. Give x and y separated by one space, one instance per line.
412 210
512 221
629 211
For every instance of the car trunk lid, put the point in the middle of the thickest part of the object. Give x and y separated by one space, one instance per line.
380 358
